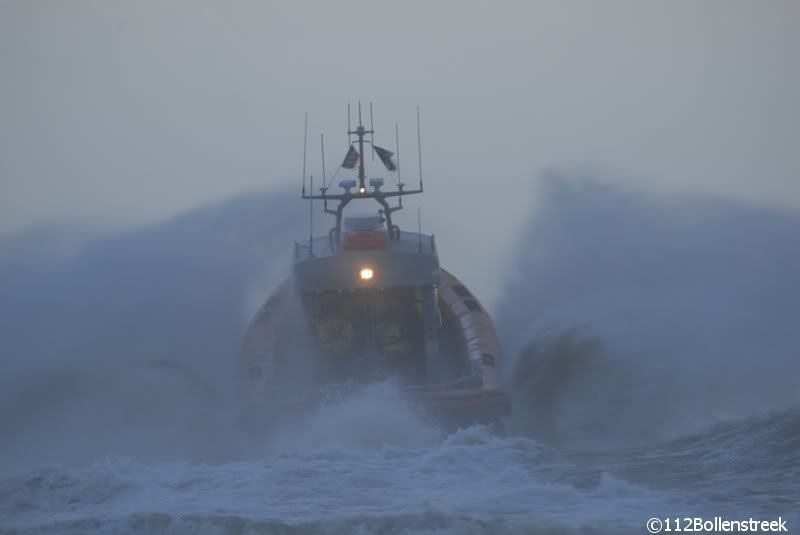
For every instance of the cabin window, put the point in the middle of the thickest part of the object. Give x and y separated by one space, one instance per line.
472 304
461 291
370 327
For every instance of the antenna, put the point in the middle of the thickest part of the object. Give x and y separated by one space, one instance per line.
311 222
349 136
324 180
399 181
381 197
372 134
305 143
360 133
419 149
397 150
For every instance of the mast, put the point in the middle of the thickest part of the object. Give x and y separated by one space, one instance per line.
382 197
360 132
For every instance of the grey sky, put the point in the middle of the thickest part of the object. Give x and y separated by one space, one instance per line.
129 112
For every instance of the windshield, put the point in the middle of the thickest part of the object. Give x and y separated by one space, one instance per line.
366 330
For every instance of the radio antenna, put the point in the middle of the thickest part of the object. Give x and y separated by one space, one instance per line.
305 143
381 197
399 180
324 180
360 133
397 151
372 135
311 221
349 136
419 149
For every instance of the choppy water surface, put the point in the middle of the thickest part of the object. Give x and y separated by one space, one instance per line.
652 361
336 475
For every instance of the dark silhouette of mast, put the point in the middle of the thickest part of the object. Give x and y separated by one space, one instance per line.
360 132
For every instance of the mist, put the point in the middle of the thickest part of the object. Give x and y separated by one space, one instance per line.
129 345
626 318
124 114
631 318
617 182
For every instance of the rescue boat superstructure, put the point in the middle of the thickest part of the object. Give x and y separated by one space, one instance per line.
369 301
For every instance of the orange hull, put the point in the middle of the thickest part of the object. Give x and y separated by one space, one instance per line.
472 335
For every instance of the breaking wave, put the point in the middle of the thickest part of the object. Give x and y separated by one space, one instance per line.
634 319
129 346
472 481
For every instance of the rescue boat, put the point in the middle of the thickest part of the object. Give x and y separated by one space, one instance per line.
369 302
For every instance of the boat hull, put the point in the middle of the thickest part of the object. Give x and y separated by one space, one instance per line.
467 331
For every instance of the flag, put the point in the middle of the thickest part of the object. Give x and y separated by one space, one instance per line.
351 160
386 158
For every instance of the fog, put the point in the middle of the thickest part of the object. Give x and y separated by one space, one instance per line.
631 317
617 182
129 344
673 314
118 114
